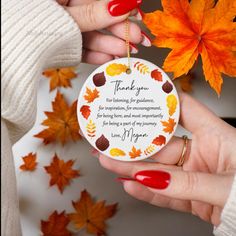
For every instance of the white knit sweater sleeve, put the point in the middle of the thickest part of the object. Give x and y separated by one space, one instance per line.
35 34
227 226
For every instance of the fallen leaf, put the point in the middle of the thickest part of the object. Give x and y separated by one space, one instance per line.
29 162
61 172
156 75
135 152
116 152
91 95
198 27
160 140
91 215
185 82
85 111
171 101
60 77
62 122
168 125
116 69
56 225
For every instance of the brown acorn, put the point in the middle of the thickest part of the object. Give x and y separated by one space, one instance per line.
167 87
99 79
102 143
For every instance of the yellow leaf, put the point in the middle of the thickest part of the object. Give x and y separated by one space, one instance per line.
116 69
171 103
115 152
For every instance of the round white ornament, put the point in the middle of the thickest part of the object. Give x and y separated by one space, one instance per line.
128 116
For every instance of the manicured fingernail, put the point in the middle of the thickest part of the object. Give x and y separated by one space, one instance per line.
133 48
95 152
122 180
146 41
117 57
153 178
139 15
121 7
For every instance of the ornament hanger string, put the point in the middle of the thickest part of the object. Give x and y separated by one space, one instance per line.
127 29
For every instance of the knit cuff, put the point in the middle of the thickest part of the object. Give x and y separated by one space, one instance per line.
227 226
36 34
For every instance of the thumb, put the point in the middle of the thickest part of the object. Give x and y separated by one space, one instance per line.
101 14
197 186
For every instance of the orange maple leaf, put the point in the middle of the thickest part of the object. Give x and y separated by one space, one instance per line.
60 77
160 140
61 172
56 225
91 215
62 122
135 152
193 28
168 125
85 111
91 95
29 162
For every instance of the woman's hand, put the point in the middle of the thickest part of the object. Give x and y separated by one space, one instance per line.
201 186
103 26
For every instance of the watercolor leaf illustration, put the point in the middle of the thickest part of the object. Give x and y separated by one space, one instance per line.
171 103
56 225
115 152
168 126
91 129
159 140
193 28
156 75
61 172
116 69
60 77
135 152
91 215
149 149
62 122
85 111
142 68
30 163
91 95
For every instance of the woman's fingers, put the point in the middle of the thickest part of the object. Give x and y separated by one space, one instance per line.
96 58
119 30
108 44
102 14
195 116
171 153
184 185
130 168
142 193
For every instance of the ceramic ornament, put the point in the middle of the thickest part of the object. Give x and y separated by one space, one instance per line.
128 116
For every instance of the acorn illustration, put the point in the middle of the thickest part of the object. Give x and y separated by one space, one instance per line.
102 143
167 87
99 79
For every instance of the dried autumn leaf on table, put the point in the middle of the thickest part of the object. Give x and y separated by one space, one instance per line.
61 172
168 125
29 162
135 152
56 225
62 122
193 28
91 95
91 215
60 77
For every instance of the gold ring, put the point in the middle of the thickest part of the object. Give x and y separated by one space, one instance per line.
183 154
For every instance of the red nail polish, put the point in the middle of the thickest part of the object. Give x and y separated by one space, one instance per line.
153 178
122 179
121 7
